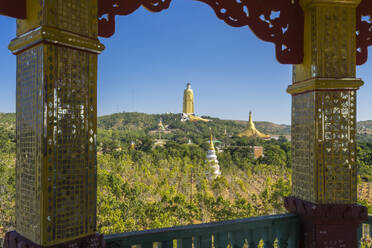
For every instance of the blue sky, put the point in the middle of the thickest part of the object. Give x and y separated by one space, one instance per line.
152 56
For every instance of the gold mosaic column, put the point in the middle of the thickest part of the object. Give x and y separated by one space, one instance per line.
324 105
56 48
324 126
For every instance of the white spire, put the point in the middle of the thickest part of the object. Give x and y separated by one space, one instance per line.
214 168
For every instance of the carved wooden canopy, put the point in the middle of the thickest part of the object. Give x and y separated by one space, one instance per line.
13 8
363 30
278 21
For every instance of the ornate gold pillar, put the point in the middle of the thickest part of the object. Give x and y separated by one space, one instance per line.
56 47
324 126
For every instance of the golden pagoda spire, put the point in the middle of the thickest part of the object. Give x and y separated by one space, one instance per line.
132 145
211 145
214 169
250 121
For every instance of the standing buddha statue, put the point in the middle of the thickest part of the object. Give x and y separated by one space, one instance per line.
188 100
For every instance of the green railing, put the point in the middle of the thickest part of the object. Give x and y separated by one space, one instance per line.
365 233
281 230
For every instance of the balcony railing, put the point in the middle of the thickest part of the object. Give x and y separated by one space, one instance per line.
283 230
280 231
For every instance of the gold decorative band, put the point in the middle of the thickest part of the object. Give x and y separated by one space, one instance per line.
308 3
55 36
324 84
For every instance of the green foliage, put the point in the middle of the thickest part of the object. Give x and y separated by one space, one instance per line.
161 186
7 133
364 159
274 155
182 131
7 193
167 186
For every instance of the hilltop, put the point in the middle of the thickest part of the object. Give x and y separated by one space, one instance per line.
146 122
365 126
135 121
364 131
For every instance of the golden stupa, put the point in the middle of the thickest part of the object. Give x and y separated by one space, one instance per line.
251 131
160 125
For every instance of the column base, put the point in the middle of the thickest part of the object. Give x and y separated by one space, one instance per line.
15 240
327 225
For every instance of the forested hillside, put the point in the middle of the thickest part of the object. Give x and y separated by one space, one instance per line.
365 127
136 121
165 185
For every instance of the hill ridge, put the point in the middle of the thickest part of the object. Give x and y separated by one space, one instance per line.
147 122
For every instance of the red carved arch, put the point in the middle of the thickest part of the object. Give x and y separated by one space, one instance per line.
13 8
278 21
363 31
108 9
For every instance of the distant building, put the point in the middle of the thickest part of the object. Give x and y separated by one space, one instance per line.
258 152
214 168
251 132
161 128
275 137
159 142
